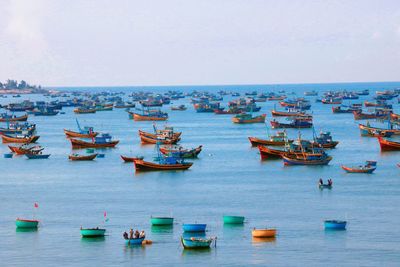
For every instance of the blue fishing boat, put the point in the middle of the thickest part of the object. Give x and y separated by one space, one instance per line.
335 225
196 243
37 156
134 241
194 227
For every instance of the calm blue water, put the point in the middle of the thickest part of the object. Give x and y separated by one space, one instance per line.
228 178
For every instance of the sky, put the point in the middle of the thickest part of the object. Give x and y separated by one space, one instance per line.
202 42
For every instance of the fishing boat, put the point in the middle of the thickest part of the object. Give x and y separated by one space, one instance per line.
43 112
149 115
130 159
332 101
134 241
168 163
4 117
387 145
196 243
180 152
280 139
297 122
25 139
25 149
85 132
92 232
194 227
264 233
162 221
180 107
306 159
102 141
18 128
345 109
24 223
248 118
36 155
230 219
221 111
335 225
82 110
368 167
368 130
163 136
289 113
271 153
324 140
379 113
77 157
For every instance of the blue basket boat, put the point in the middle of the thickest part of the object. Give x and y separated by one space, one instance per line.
194 227
335 225
134 241
8 155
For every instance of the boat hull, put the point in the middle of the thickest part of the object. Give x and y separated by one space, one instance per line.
82 158
24 140
22 223
141 165
263 233
93 232
194 227
228 219
83 144
387 145
162 221
358 170
20 118
134 241
335 225
195 243
70 133
138 117
257 141
298 161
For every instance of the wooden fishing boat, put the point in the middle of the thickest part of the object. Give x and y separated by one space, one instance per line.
264 233
77 157
154 116
290 113
162 221
70 133
360 115
368 167
324 140
367 130
229 219
19 139
22 150
306 159
92 232
84 110
166 136
267 142
37 155
24 223
18 128
194 227
103 141
248 118
335 225
196 243
130 159
270 153
5 117
280 139
387 145
180 152
332 101
141 165
180 107
297 122
134 241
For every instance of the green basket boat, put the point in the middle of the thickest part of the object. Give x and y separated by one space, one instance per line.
92 232
162 220
233 219
22 223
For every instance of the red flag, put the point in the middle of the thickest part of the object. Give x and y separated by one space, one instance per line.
36 205
105 214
